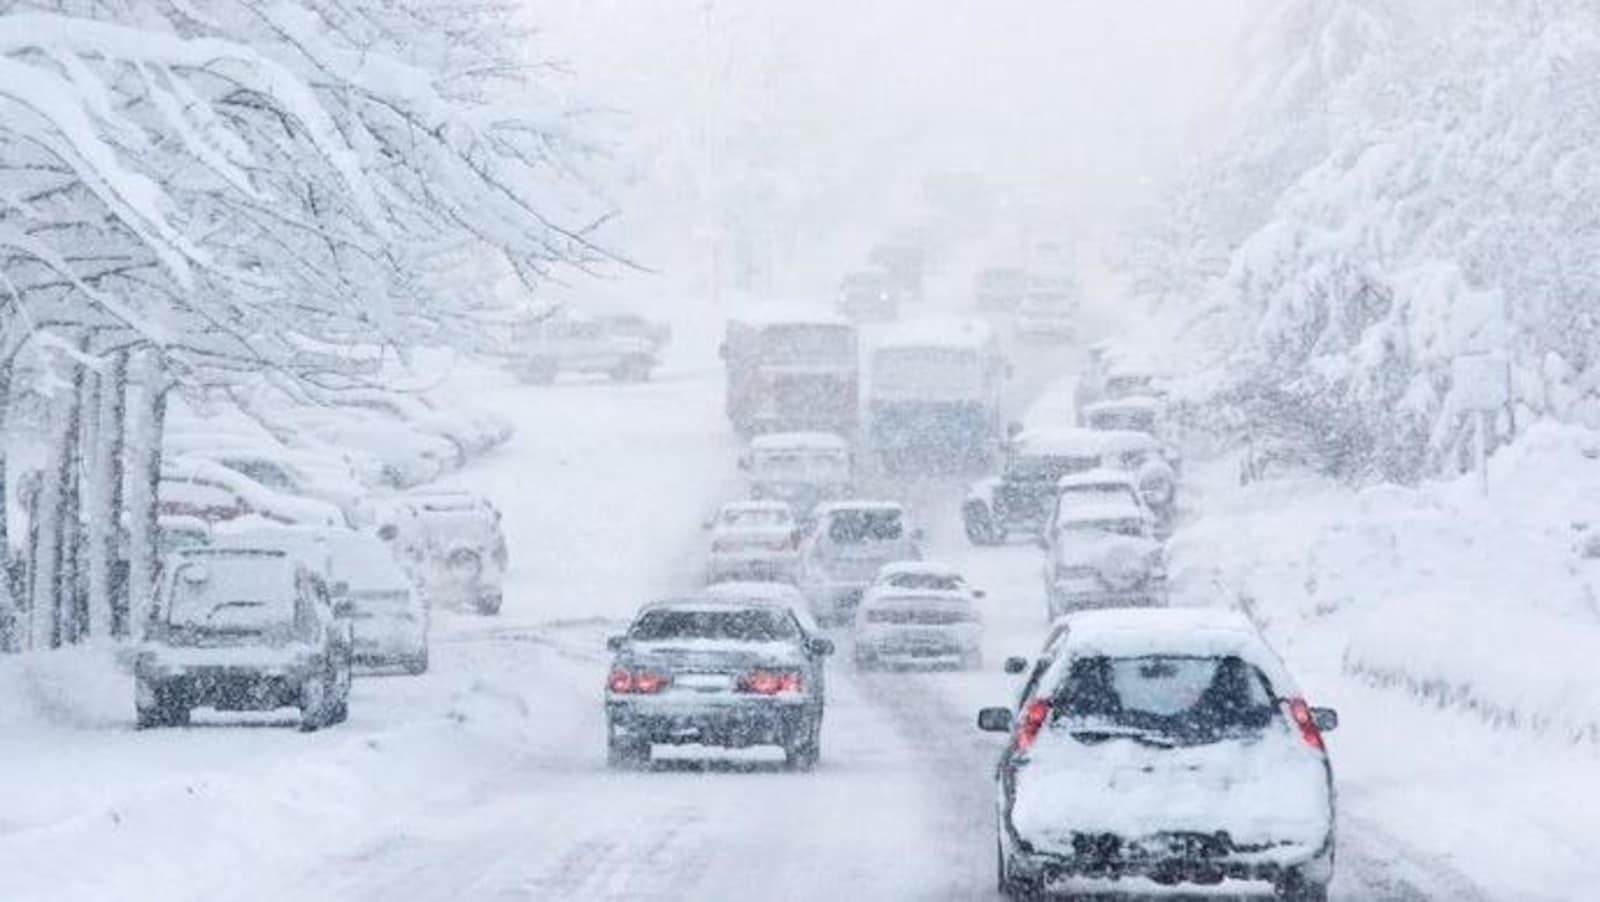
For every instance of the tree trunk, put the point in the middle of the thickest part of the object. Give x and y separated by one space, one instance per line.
10 591
107 597
70 546
44 534
147 412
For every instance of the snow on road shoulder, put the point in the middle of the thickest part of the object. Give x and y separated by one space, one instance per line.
1456 632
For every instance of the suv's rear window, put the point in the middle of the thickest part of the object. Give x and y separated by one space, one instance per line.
232 593
748 625
1185 699
853 527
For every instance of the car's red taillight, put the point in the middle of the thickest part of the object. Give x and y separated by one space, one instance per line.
636 682
770 682
1034 718
1301 712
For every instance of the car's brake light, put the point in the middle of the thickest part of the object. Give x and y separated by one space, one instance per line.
1303 718
770 682
1033 720
636 682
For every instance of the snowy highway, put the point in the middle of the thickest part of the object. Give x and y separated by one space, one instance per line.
486 778
901 807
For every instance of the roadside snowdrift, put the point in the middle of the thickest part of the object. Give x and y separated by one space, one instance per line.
1486 604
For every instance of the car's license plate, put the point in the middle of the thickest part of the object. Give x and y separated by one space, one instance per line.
703 682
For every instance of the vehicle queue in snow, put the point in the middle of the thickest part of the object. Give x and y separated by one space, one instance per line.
1147 741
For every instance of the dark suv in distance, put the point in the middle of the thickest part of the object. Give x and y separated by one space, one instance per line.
730 674
242 630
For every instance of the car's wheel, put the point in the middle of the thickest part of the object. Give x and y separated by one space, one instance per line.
626 753
316 706
340 713
803 751
167 708
489 605
417 663
631 369
979 524
1013 887
540 372
1295 888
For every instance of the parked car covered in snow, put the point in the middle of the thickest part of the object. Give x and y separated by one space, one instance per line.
730 674
406 456
1103 555
192 486
918 627
472 432
453 547
389 616
846 544
578 343
283 470
1022 496
798 468
1167 746
242 629
752 539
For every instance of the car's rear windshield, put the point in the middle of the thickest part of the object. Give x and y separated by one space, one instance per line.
937 582
1128 527
739 625
1050 466
232 593
1177 698
854 527
920 611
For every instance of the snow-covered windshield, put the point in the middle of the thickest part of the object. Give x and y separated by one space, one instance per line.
1119 527
1050 467
801 465
854 527
1173 696
236 593
807 345
1132 419
920 611
929 371
739 625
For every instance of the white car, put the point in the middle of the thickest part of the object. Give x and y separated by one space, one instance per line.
800 468
285 470
847 543
192 486
390 617
752 539
452 545
569 343
1104 555
1168 746
408 457
918 627
471 432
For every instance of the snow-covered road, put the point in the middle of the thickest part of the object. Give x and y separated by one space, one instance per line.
485 779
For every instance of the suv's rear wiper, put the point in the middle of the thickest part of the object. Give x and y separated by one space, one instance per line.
1095 735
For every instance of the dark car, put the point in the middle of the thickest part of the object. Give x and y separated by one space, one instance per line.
730 674
242 630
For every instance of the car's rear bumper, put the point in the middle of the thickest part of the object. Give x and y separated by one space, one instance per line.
386 650
915 647
734 723
1188 859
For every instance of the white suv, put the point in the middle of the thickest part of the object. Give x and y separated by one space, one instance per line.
1169 745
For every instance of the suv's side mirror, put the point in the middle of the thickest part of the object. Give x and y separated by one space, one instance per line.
819 646
979 593
616 643
1326 719
1016 664
995 720
388 532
